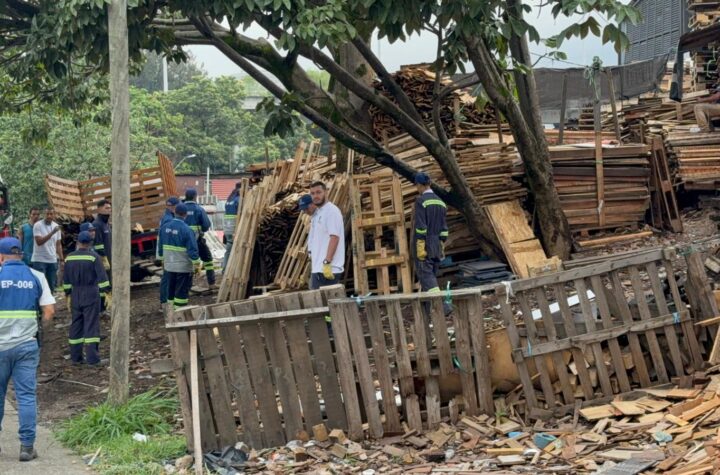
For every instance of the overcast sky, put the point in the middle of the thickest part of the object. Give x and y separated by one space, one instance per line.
421 49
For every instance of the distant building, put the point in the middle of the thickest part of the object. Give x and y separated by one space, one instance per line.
662 23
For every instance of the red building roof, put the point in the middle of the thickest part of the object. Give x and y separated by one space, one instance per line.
222 187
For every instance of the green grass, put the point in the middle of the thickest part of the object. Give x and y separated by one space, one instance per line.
111 428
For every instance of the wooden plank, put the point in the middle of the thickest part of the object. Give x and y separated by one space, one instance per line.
217 384
325 363
596 349
635 348
655 351
195 395
670 336
231 321
301 362
281 369
382 367
598 288
442 341
551 334
462 347
404 366
239 379
514 337
421 341
261 378
571 331
364 373
481 358
345 369
534 340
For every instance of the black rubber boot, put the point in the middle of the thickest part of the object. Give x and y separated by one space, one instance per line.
27 453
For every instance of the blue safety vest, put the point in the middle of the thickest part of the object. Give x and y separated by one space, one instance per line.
20 293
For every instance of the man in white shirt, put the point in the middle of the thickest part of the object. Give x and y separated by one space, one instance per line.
47 249
326 241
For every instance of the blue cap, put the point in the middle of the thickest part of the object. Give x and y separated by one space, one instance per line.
190 193
10 246
181 208
422 179
87 227
84 237
304 202
172 201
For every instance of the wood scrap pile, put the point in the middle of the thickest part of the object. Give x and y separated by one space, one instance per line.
704 13
418 82
696 157
274 232
625 196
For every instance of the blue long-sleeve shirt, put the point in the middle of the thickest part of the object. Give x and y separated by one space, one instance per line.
196 218
177 247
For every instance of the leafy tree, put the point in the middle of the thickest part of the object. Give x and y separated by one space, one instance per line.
492 34
150 77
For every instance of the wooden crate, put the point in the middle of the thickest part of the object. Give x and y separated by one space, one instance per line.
546 342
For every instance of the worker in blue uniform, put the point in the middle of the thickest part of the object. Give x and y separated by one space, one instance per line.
90 229
167 216
23 292
103 233
84 280
199 223
232 205
430 234
179 253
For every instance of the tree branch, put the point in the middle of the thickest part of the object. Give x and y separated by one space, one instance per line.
437 102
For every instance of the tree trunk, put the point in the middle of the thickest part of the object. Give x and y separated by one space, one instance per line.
530 141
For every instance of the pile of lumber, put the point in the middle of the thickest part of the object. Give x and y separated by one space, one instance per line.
418 82
621 177
696 157
274 232
704 13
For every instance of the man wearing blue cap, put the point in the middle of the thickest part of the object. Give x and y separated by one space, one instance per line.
167 216
199 223
84 280
430 234
90 229
178 250
23 293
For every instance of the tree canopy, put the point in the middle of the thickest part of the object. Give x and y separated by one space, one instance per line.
61 37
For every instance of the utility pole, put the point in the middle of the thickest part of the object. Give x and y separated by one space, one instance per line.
120 155
165 74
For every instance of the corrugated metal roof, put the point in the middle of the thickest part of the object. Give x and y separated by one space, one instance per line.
222 187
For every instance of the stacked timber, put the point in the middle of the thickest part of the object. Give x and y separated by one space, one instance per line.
696 158
622 176
703 14
274 232
418 82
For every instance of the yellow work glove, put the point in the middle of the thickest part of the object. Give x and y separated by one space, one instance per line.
108 301
327 272
105 263
420 249
442 250
68 300
197 267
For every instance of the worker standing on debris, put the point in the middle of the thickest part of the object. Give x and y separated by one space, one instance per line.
103 233
47 249
430 234
232 205
25 234
199 223
326 240
84 280
167 216
23 292
177 247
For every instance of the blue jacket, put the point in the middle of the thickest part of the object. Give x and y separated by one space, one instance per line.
166 218
177 247
230 218
103 238
197 218
430 224
20 293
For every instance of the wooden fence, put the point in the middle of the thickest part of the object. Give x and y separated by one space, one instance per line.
149 189
651 321
272 366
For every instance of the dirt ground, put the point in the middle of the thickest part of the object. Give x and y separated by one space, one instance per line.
64 389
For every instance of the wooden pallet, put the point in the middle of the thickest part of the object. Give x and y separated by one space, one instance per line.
654 322
379 237
664 206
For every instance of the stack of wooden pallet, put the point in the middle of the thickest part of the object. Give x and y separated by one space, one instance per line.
696 157
418 82
704 13
621 176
